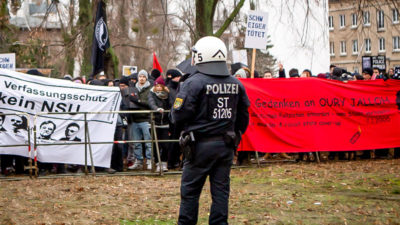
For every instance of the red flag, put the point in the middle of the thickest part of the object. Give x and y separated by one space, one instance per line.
156 64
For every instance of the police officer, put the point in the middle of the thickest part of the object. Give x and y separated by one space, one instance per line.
212 106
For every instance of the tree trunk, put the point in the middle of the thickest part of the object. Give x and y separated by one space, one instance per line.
205 10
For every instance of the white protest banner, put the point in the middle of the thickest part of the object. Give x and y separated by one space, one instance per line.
7 61
128 70
21 92
256 30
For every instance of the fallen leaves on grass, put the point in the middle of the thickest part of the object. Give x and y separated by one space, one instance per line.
275 194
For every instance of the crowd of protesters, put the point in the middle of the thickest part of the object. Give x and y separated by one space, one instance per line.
157 91
335 73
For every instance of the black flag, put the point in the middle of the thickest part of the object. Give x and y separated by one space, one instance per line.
100 39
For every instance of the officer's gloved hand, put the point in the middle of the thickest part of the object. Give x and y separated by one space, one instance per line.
160 110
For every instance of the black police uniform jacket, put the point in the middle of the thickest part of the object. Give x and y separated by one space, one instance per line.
211 105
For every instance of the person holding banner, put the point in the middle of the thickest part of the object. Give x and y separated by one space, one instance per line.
391 73
212 106
367 73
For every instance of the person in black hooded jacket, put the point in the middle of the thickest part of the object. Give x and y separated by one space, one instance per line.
172 82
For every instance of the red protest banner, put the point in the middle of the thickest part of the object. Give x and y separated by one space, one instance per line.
311 114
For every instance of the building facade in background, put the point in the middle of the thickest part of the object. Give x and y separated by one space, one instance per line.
360 28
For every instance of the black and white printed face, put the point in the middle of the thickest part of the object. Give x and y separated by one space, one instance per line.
72 130
16 121
46 130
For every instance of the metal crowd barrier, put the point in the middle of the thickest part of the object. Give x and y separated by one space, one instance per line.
27 144
88 143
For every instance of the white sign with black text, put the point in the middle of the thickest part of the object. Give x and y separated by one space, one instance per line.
256 30
23 93
7 61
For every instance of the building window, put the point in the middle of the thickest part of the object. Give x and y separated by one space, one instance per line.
366 19
368 45
342 21
382 47
330 20
396 43
353 20
355 46
380 19
332 48
343 48
395 15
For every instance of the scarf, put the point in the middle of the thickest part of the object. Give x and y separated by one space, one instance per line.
140 88
161 94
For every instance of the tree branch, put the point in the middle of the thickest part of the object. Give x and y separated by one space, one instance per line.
129 45
229 19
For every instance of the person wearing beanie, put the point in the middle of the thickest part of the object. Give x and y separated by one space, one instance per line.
35 72
293 73
124 80
67 77
155 73
127 86
159 80
336 73
146 74
171 74
367 73
143 73
159 100
240 73
173 78
133 78
97 82
141 121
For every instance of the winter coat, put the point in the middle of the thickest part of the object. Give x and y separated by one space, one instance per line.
156 102
172 86
139 96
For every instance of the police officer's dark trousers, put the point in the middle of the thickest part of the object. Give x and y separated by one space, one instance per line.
213 159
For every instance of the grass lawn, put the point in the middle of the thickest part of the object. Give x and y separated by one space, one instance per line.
343 192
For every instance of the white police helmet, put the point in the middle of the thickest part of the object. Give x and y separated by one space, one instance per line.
209 55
